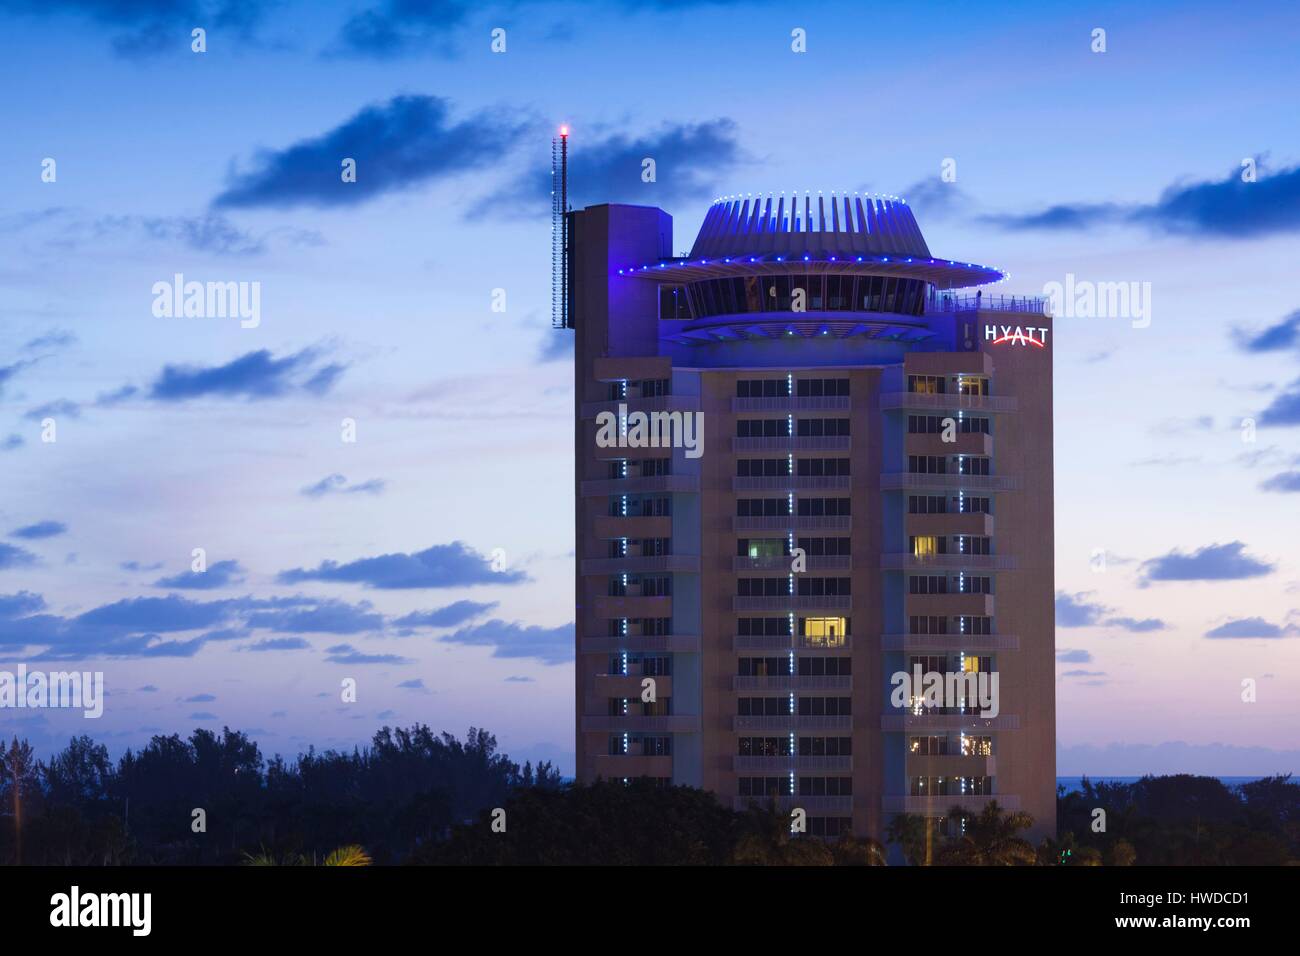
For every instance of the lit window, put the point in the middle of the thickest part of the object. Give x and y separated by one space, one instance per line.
825 631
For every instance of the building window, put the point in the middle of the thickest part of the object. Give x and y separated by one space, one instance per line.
824 631
926 384
925 546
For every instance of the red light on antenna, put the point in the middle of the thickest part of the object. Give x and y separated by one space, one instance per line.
564 130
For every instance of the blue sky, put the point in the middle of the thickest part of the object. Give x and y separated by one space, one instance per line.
409 559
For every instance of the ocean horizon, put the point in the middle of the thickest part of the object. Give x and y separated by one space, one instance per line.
1075 784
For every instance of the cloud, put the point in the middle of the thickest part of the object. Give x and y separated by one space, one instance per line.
200 699
171 613
208 233
115 397
415 683
553 645
151 29
396 28
1282 336
279 644
690 161
135 627
218 575
1286 482
255 375
389 29
327 617
147 689
1083 673
1074 610
10 442
933 199
55 409
53 339
1073 656
1215 562
337 484
39 530
70 409
1226 208
441 566
456 613
347 654
396 145
1252 627
1060 217
1284 409
519 680
1165 461
20 604
14 557
203 715
137 566
1135 625
557 346
7 372
69 230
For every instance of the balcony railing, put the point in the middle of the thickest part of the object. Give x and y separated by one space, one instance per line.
787 801
601 487
781 563
950 604
792 403
632 606
605 686
792 483
948 401
633 564
792 722
971 484
945 523
793 682
786 764
952 642
792 443
906 561
794 602
615 766
939 806
973 444
667 643
655 403
632 723
631 526
785 642
946 722
792 523
951 765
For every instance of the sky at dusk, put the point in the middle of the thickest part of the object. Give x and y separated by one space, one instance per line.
431 559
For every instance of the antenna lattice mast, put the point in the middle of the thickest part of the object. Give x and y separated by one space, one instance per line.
560 317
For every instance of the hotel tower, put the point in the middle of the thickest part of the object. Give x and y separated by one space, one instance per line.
811 456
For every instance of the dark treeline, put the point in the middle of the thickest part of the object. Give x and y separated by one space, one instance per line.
413 796
1183 820
406 789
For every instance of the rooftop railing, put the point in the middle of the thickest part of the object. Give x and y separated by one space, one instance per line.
943 302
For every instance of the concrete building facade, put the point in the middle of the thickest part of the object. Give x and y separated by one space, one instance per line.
810 456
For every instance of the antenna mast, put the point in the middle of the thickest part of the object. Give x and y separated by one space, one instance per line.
560 317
